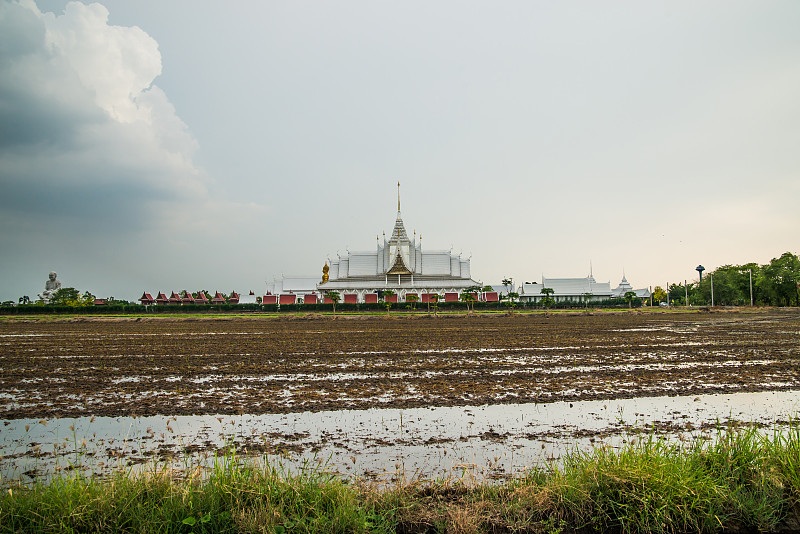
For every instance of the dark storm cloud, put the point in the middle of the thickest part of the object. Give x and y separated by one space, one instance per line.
33 109
84 135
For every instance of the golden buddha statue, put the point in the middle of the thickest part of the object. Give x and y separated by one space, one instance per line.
325 270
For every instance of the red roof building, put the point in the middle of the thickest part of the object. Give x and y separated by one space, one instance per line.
188 299
162 298
201 298
147 299
234 298
175 298
218 298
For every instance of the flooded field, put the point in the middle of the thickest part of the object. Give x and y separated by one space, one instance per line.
375 396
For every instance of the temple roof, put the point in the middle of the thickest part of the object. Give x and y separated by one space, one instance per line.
399 231
568 286
399 266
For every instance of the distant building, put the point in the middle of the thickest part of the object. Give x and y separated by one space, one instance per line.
567 290
577 290
398 264
292 285
624 287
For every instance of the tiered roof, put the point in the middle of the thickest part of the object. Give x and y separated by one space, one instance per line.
175 298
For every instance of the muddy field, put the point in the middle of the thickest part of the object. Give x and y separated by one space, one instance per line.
272 365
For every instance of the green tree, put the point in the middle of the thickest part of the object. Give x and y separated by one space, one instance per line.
749 273
780 280
629 296
677 294
511 299
547 301
727 285
434 298
413 300
65 296
659 295
334 297
468 296
731 286
508 284
386 303
24 299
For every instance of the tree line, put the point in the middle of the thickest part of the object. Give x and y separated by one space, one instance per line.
776 283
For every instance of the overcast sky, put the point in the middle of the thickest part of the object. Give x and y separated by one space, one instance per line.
156 145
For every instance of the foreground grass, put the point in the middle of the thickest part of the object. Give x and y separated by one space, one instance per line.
741 481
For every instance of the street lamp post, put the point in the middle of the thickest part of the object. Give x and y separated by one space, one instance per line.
712 290
751 286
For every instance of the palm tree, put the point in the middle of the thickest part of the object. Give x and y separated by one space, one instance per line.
508 284
629 296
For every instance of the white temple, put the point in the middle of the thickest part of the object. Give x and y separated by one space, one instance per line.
578 290
398 264
567 289
624 286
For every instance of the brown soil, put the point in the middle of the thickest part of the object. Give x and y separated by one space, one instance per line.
229 365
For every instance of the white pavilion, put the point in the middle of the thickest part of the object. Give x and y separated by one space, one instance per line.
625 286
578 290
398 265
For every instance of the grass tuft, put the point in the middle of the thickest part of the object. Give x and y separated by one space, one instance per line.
741 480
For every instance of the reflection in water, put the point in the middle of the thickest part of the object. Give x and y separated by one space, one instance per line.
495 440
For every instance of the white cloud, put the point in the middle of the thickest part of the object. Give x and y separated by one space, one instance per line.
117 63
93 155
84 118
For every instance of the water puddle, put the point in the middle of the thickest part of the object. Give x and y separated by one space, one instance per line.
490 441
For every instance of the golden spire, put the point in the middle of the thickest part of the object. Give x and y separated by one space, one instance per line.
398 196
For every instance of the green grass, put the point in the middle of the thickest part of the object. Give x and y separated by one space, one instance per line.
740 480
